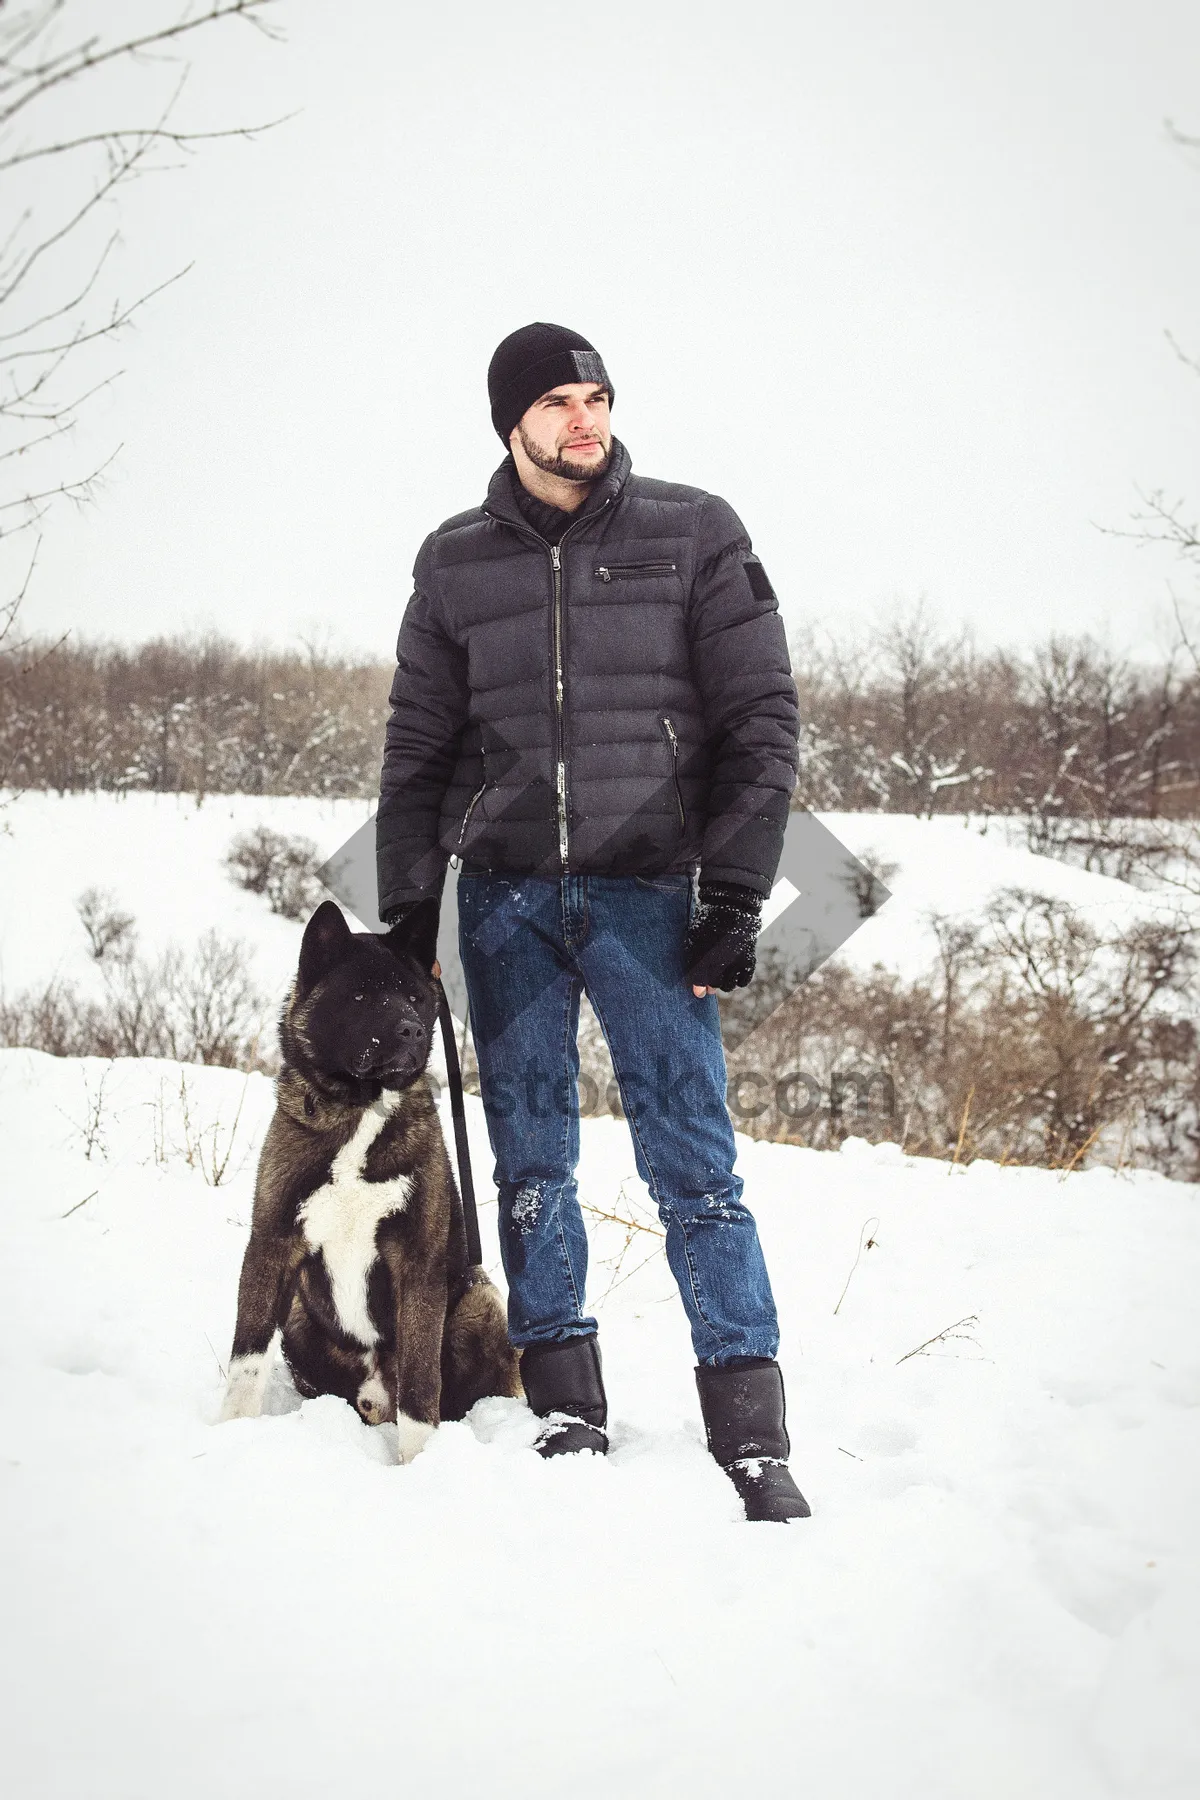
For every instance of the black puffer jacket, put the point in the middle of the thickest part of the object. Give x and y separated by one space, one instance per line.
622 704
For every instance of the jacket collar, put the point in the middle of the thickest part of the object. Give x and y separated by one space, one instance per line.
501 501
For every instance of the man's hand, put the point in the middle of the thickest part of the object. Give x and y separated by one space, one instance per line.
396 915
718 949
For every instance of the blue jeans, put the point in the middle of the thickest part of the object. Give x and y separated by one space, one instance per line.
530 947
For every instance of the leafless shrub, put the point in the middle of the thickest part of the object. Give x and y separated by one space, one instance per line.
639 1224
1035 1038
201 1007
91 1127
56 1019
209 1148
282 868
867 881
107 927
214 1010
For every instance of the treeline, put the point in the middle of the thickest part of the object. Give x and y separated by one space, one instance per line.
905 720
200 717
912 721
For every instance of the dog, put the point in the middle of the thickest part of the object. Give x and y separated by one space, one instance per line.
357 1263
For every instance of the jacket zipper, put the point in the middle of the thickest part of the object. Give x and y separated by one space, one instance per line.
622 571
560 783
561 780
675 768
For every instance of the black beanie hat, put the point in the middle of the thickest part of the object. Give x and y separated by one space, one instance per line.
530 362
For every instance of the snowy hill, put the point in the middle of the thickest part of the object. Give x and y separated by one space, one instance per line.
161 857
997 1594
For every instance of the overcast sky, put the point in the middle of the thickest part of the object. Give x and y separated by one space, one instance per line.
891 277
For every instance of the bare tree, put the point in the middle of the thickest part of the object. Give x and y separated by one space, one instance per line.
930 755
67 152
1173 855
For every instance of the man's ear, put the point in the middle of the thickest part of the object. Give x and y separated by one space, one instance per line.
327 939
416 934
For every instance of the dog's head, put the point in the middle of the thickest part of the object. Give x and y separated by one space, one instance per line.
369 1003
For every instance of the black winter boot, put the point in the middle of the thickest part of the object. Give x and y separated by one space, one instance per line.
743 1413
563 1384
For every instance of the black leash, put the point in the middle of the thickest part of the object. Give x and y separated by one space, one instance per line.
466 1185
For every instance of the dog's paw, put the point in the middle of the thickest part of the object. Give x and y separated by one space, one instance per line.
374 1402
411 1436
244 1388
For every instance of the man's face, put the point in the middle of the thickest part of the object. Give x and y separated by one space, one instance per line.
566 432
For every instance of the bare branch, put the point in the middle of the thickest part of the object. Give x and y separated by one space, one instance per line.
945 1336
115 176
10 609
1181 138
78 490
119 318
57 429
143 135
1161 523
1192 362
864 1243
85 58
60 312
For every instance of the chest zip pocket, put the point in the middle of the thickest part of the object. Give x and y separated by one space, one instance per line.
674 743
632 571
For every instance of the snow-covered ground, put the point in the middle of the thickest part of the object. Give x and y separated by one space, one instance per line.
997 1594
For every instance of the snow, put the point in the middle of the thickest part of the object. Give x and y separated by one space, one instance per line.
997 1593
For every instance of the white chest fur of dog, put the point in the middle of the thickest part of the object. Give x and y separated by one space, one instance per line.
341 1219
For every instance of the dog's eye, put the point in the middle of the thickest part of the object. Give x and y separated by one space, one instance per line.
360 996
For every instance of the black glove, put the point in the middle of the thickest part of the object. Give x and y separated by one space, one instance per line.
395 914
718 947
417 936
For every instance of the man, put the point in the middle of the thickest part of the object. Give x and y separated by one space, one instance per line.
593 715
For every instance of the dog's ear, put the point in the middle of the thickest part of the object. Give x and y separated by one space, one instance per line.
327 939
416 934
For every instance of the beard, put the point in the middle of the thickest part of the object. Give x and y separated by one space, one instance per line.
557 463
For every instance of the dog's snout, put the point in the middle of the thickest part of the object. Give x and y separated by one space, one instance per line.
400 1049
